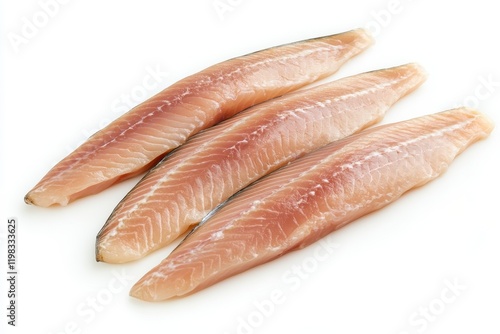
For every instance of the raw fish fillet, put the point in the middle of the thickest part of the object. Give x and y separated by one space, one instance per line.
137 140
313 196
217 163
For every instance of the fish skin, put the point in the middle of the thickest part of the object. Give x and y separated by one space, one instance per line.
137 140
215 164
313 196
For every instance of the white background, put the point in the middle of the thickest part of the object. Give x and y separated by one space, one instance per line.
70 76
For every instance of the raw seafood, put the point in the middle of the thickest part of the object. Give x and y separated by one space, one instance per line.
137 140
313 196
217 163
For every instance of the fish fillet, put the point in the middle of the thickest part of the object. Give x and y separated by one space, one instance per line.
313 196
215 164
137 140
